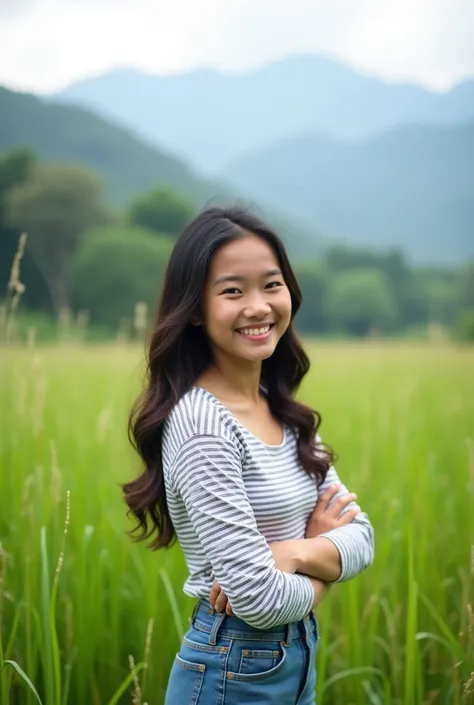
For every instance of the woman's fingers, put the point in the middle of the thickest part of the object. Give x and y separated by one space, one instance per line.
323 501
221 602
349 516
215 590
340 504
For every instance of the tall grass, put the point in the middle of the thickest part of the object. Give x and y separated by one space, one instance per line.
87 618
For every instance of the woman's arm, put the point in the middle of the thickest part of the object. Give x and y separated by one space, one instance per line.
345 545
207 476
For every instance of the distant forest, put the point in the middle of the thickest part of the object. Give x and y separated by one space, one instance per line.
102 209
90 263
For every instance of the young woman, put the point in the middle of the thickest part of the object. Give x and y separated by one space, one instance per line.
235 469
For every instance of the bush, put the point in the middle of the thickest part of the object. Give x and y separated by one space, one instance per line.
360 301
116 268
163 211
464 329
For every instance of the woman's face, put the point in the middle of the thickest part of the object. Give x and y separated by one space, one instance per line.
246 304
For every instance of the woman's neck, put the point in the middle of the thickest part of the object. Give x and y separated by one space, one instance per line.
233 380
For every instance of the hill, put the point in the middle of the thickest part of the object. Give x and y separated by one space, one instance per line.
410 187
68 133
211 117
126 163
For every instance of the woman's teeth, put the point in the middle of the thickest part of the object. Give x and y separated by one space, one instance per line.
254 331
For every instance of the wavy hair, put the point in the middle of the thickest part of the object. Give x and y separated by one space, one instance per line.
179 352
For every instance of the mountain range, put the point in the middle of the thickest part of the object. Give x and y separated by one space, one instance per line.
127 164
211 117
339 156
411 185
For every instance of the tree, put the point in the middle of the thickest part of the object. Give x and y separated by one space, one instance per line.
313 282
404 285
162 210
466 286
464 329
360 301
55 205
14 169
441 297
116 268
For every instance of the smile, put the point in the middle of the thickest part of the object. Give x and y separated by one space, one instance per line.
255 330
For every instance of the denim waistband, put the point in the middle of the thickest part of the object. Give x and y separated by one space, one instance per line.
207 619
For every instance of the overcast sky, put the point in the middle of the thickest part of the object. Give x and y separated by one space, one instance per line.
46 44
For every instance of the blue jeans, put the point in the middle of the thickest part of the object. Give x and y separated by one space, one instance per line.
225 661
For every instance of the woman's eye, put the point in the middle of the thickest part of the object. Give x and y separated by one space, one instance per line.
273 285
231 290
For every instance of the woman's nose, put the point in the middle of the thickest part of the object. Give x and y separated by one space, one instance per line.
257 307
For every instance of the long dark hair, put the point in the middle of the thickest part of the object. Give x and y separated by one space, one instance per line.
179 352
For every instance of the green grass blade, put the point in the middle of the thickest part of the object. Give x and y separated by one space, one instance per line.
25 678
124 685
47 655
350 672
178 622
3 676
55 655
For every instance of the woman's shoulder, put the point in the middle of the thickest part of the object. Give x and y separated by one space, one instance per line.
199 413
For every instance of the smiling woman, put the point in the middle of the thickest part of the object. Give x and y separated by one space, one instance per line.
245 301
235 470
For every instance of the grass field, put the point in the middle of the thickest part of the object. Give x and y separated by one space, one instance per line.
74 607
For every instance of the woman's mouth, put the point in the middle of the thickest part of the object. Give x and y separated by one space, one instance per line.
256 332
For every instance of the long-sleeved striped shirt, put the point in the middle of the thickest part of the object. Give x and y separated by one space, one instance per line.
229 495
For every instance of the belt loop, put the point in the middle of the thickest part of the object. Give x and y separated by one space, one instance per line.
219 618
288 638
315 622
193 616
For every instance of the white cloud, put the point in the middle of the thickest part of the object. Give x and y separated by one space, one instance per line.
45 44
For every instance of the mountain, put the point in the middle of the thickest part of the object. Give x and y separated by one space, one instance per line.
67 133
211 117
126 163
410 187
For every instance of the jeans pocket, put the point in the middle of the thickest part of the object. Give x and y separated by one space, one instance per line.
258 660
255 663
185 682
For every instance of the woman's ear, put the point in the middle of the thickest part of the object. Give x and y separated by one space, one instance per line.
196 321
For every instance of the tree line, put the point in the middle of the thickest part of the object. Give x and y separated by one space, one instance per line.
81 256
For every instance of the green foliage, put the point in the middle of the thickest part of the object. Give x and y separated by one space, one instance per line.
397 415
313 281
116 268
466 286
41 327
55 205
360 302
441 295
14 169
464 329
163 211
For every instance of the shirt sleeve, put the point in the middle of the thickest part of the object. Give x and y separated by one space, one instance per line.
207 474
354 541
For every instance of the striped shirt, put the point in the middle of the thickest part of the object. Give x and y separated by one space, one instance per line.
229 495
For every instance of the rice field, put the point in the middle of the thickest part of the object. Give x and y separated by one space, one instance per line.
88 618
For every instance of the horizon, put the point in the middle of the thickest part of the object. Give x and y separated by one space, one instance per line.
419 42
242 71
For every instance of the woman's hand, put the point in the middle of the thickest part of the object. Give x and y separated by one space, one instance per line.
325 517
219 600
285 560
